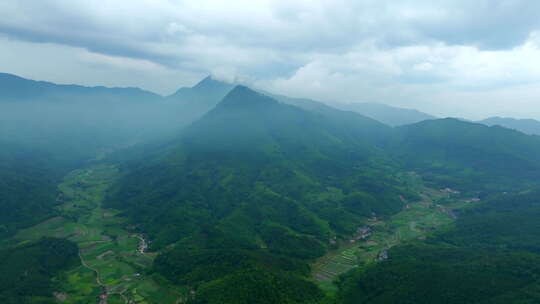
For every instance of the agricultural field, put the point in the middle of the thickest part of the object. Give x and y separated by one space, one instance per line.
113 261
414 222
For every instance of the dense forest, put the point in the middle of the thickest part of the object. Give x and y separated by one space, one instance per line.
26 271
491 255
27 187
469 156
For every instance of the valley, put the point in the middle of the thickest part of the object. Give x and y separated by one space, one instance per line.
113 261
115 266
415 222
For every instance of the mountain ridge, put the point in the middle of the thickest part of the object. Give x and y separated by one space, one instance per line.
527 126
16 88
390 115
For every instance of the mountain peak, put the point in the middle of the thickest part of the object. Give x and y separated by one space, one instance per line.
210 83
242 96
207 93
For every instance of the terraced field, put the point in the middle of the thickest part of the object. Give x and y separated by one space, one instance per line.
113 266
415 221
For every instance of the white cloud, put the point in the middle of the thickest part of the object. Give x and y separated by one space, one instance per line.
70 65
433 55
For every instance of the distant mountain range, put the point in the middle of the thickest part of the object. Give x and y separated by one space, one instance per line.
14 88
527 126
392 116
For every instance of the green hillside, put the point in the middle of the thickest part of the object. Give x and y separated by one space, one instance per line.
28 193
491 255
255 184
26 270
453 153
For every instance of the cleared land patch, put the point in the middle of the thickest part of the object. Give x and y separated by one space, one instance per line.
415 221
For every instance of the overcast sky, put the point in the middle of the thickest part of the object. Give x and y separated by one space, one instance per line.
467 58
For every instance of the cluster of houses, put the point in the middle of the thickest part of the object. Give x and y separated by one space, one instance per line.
362 233
450 191
383 255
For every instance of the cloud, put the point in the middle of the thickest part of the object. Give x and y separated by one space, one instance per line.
73 65
409 53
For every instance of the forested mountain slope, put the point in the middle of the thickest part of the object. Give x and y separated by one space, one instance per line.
28 179
468 155
26 270
46 130
490 256
346 119
74 123
253 185
200 98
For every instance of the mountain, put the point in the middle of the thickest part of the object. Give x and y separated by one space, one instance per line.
347 119
60 119
255 185
47 130
389 115
251 140
527 126
28 180
469 155
200 98
17 89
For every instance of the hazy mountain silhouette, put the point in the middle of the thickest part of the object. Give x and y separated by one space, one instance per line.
527 126
392 116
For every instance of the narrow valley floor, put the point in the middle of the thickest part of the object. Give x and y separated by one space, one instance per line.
113 261
415 221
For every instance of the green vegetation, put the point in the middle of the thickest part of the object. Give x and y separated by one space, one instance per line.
470 157
490 256
416 221
262 202
258 286
110 257
27 188
256 184
426 274
26 270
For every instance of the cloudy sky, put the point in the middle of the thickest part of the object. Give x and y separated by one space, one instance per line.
451 58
